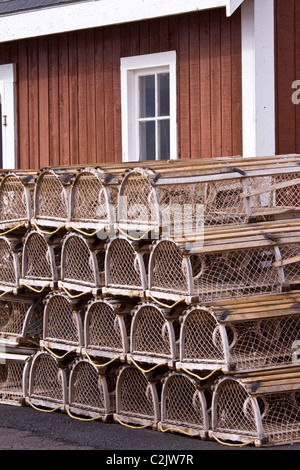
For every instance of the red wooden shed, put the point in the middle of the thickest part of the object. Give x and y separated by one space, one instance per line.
95 81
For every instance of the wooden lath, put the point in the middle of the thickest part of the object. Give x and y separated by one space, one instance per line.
258 383
256 308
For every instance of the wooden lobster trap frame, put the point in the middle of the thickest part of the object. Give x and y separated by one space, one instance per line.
92 390
14 368
242 264
82 263
10 263
63 322
260 408
172 204
241 336
184 406
93 201
16 199
137 397
21 320
47 382
106 327
52 196
154 336
126 267
41 259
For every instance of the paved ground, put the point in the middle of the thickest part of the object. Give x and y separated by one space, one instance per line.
23 428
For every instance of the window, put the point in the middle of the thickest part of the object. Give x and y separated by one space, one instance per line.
149 124
8 116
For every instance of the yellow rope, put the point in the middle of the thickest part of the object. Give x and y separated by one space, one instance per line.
230 444
181 432
12 229
82 419
41 409
33 342
148 370
75 296
132 238
162 304
48 233
197 376
55 355
6 292
39 291
99 365
86 233
133 427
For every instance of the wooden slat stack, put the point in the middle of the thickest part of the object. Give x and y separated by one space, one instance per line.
193 328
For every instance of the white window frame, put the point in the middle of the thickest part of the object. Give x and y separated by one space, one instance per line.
131 69
8 119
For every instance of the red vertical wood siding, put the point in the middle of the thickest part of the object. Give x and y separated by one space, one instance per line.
287 57
69 90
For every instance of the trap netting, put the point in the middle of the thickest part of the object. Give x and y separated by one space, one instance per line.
13 378
92 393
82 263
126 267
51 197
180 204
16 199
184 407
220 272
259 409
47 383
154 334
107 327
10 263
93 202
21 320
259 336
41 259
63 322
137 398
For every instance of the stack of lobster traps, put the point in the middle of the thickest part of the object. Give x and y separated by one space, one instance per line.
161 294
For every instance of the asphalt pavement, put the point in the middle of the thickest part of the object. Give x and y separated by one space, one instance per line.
24 428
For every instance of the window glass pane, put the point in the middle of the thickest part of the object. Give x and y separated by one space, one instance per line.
163 80
164 139
147 140
147 96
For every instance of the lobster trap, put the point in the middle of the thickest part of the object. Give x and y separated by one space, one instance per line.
184 405
92 392
154 334
260 409
107 328
260 334
63 322
137 397
93 200
47 382
13 378
240 267
21 321
82 263
41 259
10 263
16 199
126 267
52 196
182 203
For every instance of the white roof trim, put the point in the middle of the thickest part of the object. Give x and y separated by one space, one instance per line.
84 15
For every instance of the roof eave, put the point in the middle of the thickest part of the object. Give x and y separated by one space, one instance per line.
85 15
